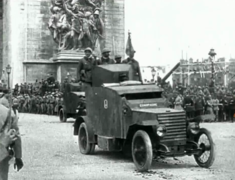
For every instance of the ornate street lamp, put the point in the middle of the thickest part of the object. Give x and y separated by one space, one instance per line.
8 69
212 59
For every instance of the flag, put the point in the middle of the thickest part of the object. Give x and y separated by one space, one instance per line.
129 46
97 49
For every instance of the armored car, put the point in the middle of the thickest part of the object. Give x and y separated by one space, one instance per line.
126 115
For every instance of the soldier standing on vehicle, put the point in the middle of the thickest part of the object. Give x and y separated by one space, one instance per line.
85 67
135 65
105 59
118 59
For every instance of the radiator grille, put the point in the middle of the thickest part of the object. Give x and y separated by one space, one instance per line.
175 124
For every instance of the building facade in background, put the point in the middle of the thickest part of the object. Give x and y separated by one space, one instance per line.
26 42
199 72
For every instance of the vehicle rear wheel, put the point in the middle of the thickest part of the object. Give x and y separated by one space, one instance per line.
62 115
142 153
207 156
84 146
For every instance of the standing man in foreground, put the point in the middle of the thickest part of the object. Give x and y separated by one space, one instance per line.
6 138
9 124
85 67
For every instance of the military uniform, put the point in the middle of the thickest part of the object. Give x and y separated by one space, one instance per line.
231 108
13 124
104 61
199 105
136 68
85 67
188 105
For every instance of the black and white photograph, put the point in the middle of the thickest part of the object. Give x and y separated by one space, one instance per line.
117 89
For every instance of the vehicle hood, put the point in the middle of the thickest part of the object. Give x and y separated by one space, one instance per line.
131 89
156 110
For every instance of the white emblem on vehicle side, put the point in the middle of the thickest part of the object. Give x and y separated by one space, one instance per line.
106 104
148 105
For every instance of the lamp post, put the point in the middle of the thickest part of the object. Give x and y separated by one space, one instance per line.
153 71
8 69
212 59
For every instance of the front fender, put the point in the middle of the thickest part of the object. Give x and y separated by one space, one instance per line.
79 121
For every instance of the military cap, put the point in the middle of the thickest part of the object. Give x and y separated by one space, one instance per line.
88 49
105 50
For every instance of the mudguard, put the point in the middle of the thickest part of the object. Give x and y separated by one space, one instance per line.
79 121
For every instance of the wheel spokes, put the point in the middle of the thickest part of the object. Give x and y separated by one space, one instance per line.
204 144
140 152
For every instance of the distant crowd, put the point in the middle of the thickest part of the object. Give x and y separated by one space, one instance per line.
45 96
218 102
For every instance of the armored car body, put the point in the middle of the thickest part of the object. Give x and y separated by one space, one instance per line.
126 115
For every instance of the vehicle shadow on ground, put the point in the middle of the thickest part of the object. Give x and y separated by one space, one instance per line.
171 164
115 156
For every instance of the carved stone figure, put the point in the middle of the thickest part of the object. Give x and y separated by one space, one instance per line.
76 24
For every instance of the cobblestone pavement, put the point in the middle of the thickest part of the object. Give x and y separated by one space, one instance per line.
50 152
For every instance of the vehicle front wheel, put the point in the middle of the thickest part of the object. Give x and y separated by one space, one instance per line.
84 146
207 155
62 115
142 153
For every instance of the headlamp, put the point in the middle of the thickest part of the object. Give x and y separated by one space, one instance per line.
161 131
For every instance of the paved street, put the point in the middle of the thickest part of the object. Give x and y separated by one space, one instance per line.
51 153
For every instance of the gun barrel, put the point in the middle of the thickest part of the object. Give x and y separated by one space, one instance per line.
169 73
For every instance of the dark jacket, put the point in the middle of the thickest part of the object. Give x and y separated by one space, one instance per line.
85 67
199 103
136 68
104 61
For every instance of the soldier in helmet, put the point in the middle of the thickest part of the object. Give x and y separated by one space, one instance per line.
135 65
105 59
118 59
85 67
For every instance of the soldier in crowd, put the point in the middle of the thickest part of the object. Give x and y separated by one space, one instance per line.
188 105
105 59
85 67
199 105
231 106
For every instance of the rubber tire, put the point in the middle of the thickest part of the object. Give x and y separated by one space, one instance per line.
149 151
90 147
211 158
62 115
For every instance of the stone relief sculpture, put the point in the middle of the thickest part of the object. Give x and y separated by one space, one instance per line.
76 24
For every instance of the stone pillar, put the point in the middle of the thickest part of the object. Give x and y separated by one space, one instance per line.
114 20
13 38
